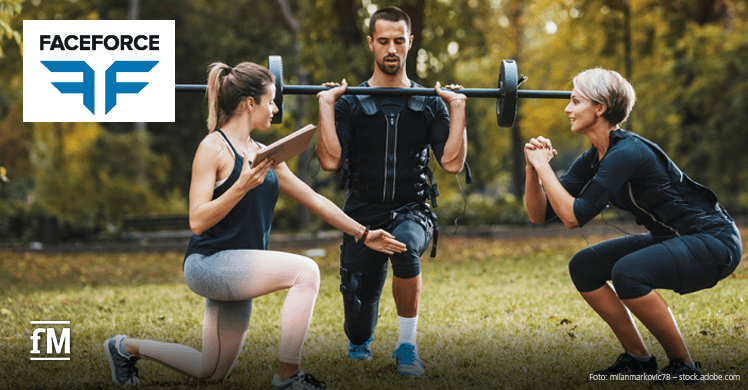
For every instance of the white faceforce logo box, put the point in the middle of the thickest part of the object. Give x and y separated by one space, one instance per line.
98 70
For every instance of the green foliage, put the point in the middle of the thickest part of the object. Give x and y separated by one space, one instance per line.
687 59
477 209
8 9
91 178
689 71
494 314
703 103
209 31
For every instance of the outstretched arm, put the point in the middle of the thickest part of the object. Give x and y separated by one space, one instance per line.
291 185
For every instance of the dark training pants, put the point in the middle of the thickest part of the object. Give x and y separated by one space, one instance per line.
364 272
638 264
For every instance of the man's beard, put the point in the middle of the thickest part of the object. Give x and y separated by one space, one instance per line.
386 69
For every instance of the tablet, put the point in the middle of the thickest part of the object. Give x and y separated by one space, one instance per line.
288 146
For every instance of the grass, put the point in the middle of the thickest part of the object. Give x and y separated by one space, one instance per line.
495 314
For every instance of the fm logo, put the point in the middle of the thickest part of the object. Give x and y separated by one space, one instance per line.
54 345
87 87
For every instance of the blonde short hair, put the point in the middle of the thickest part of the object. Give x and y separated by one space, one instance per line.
608 87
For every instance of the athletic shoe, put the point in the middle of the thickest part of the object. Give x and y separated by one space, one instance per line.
122 364
678 371
300 381
407 360
360 352
626 364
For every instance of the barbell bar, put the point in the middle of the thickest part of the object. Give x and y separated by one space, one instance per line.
506 93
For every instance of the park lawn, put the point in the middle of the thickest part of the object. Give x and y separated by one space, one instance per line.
495 314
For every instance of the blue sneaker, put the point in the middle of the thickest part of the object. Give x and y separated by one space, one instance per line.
407 360
122 364
360 352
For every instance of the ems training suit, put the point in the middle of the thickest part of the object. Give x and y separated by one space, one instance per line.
692 242
385 162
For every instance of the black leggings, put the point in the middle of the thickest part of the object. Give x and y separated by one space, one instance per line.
369 269
638 264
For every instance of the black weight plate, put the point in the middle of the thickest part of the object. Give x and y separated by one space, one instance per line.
506 104
275 65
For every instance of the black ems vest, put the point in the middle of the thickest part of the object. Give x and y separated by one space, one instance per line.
389 160
677 204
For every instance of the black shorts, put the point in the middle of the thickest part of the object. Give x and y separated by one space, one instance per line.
411 225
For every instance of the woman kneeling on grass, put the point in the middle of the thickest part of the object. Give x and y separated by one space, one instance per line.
231 210
692 242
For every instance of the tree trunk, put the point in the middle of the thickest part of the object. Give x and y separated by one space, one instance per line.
103 10
347 14
141 128
414 9
293 24
627 55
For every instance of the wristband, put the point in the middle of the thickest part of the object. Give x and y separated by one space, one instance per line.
365 234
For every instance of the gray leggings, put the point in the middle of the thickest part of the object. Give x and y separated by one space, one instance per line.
229 280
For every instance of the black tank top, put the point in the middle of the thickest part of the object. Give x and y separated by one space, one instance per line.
247 225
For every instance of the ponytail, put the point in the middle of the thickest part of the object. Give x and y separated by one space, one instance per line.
228 87
215 71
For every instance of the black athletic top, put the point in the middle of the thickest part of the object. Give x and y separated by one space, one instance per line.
637 176
247 225
418 122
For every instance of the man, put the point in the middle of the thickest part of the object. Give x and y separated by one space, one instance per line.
382 146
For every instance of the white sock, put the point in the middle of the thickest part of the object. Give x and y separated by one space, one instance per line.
408 330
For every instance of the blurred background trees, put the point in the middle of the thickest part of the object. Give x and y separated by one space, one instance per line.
687 60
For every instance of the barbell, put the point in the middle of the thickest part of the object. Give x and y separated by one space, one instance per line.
506 93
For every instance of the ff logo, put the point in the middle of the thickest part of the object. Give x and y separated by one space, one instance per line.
98 71
54 345
87 87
